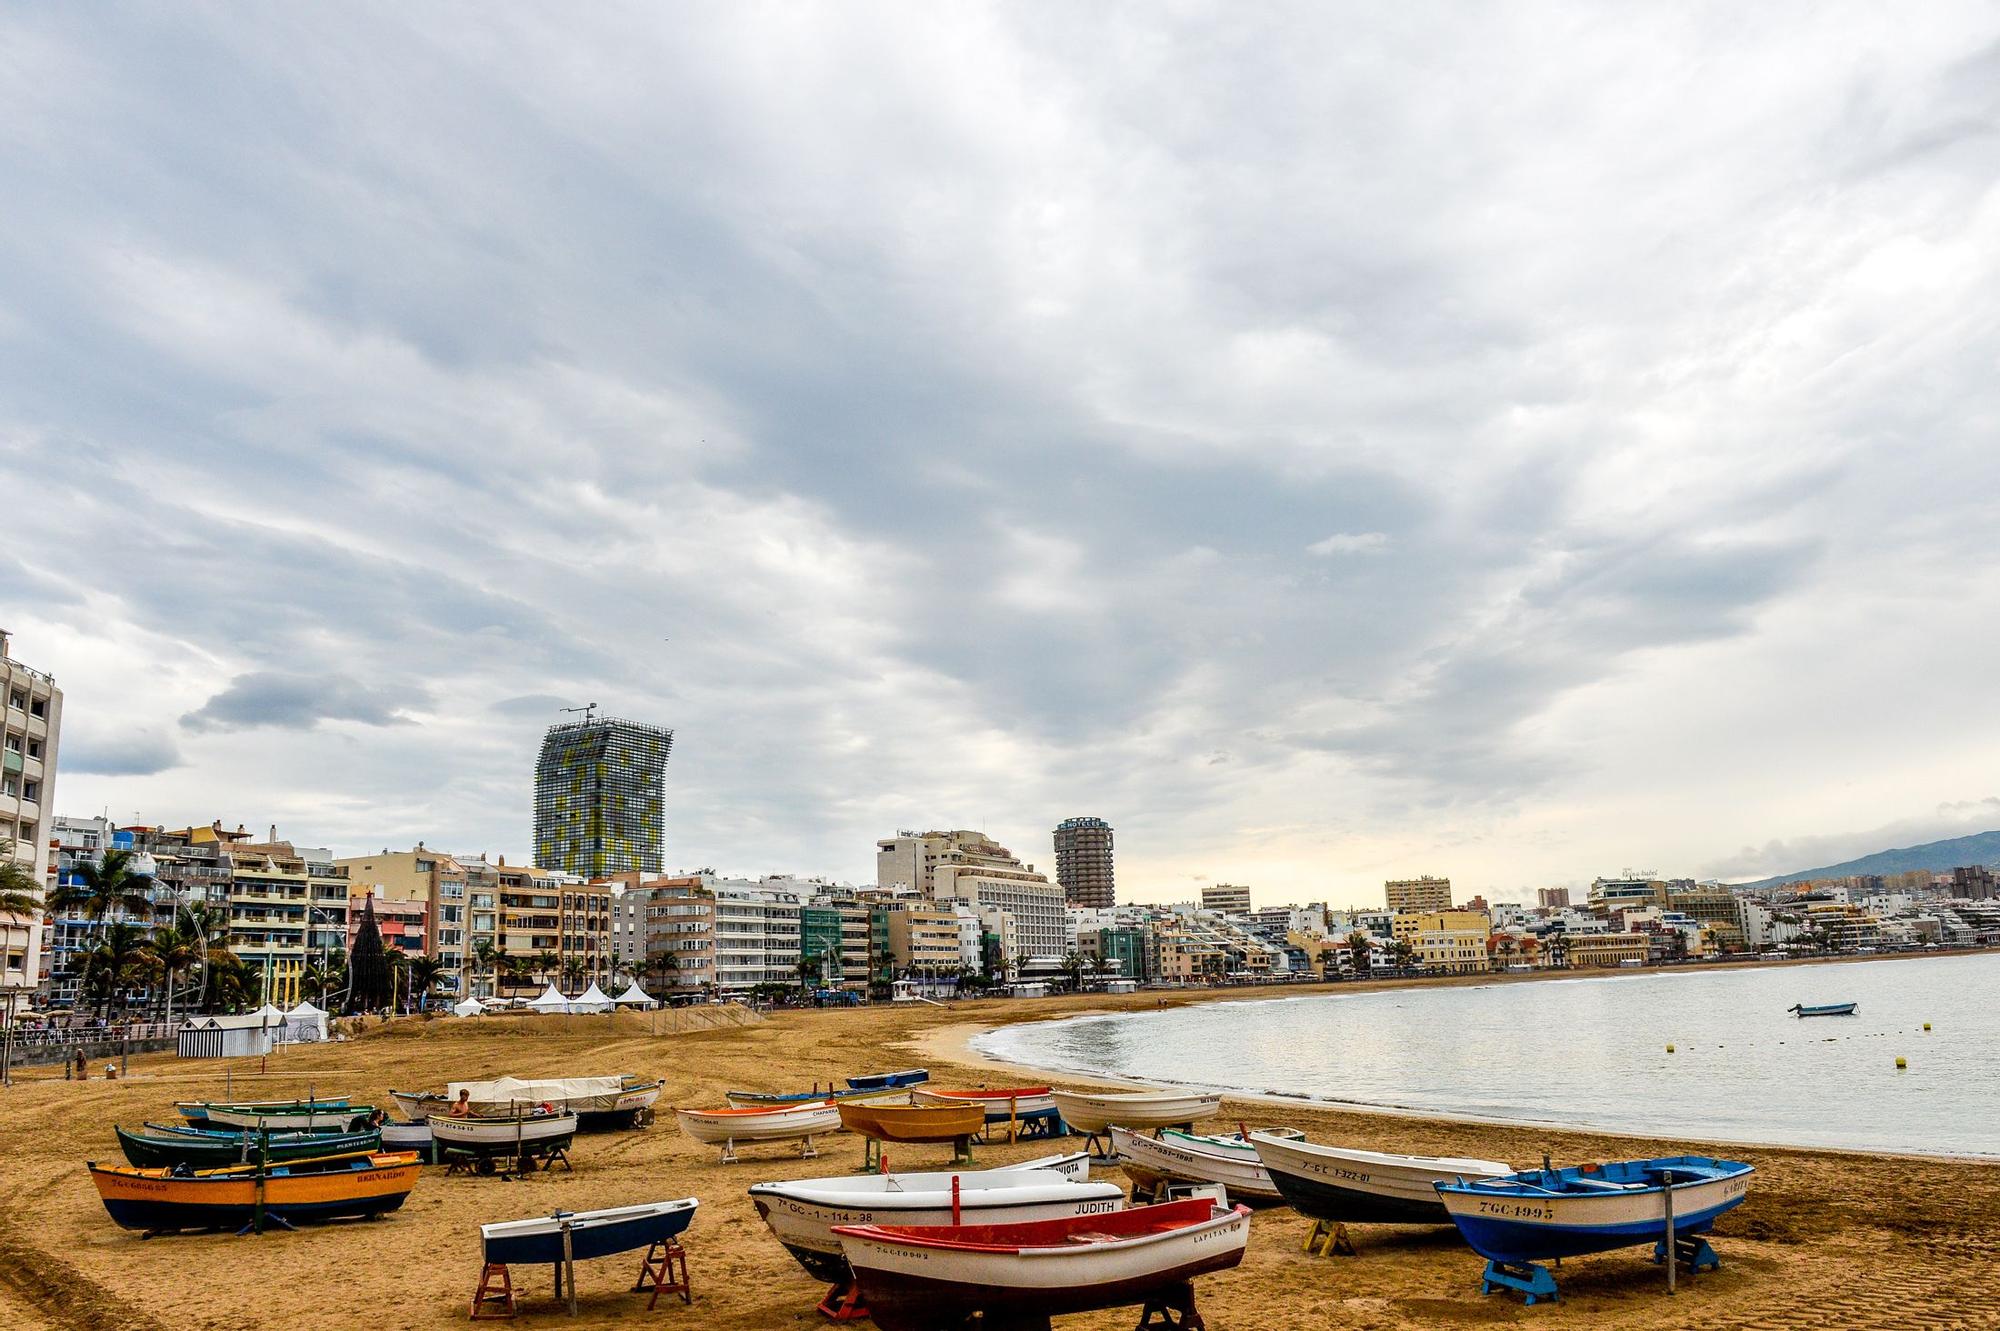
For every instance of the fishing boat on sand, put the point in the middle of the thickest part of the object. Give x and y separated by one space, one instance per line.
1093 1112
919 1278
1344 1186
766 1099
160 1201
957 1121
598 1101
592 1234
882 1081
801 1213
279 1116
1001 1102
163 1148
727 1127
1185 1157
494 1136
1823 1009
406 1136
1520 1220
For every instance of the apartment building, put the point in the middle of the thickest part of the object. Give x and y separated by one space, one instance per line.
912 937
30 734
1422 894
1230 898
680 933
1084 862
756 933
1606 949
287 905
984 874
1447 942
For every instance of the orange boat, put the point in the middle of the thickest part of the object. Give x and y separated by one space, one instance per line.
954 1122
360 1183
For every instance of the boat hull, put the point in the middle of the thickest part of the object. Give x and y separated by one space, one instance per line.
913 1123
778 1099
406 1136
1180 1157
802 1214
1518 1227
920 1288
502 1136
592 1234
343 1119
882 1081
1140 1109
1364 1187
1000 1106
716 1126
152 1201
1827 1010
164 1151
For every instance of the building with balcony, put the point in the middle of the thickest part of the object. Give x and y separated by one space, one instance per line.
1423 894
1083 862
983 874
600 797
30 735
756 933
1619 949
1230 898
680 933
1446 942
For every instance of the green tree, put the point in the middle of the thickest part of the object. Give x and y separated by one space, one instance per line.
368 964
548 966
426 973
1360 951
116 963
174 951
20 894
575 972
107 889
1072 966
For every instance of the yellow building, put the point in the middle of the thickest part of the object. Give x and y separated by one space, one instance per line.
1418 894
1605 949
1446 942
921 939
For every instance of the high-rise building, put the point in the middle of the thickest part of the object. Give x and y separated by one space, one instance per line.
1230 898
599 801
1083 862
1419 894
30 726
1552 898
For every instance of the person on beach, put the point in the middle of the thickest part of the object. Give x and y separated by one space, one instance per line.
82 1067
462 1107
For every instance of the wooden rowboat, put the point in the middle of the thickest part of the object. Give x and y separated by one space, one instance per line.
497 1135
726 1127
882 1081
325 1188
1346 1186
1002 1103
1824 1009
299 1116
212 1150
591 1233
196 1111
1185 1157
950 1122
922 1278
769 1099
1093 1112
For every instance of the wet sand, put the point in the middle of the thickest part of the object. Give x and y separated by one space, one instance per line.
1827 1239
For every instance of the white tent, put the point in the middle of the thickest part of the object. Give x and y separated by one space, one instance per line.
592 999
552 1001
470 1007
269 1015
634 994
304 1024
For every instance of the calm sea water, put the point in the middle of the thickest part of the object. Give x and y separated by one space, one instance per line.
1592 1052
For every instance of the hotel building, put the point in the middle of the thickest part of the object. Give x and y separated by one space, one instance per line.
599 801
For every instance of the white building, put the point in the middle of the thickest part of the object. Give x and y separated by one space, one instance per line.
30 728
756 932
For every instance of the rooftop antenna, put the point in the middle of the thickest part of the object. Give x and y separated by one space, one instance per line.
589 711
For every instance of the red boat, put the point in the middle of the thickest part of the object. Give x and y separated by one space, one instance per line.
1019 1275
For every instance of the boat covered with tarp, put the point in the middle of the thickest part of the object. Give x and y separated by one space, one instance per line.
594 1098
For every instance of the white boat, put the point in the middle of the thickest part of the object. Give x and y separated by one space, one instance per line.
502 1134
589 1096
1093 1112
1185 1157
726 1127
801 1213
406 1137
918 1279
1364 1187
1002 1104
336 1119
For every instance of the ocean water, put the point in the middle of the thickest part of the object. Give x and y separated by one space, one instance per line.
1592 1052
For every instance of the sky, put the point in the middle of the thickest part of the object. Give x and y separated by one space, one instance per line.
1328 442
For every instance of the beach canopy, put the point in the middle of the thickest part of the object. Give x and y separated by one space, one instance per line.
634 994
305 1024
470 1007
551 1001
270 1015
592 999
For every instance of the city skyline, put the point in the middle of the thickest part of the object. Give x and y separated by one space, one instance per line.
1487 447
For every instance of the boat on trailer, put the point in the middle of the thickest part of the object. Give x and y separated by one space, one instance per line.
1186 1157
918 1278
801 1213
727 1127
1823 1009
1344 1186
882 1081
163 1148
1520 1220
160 1201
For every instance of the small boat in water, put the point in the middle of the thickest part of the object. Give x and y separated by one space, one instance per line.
1093 1112
1348 1187
726 1127
167 1147
333 1187
920 1278
1185 1157
1823 1009
494 1136
1538 1215
591 1233
882 1081
801 1213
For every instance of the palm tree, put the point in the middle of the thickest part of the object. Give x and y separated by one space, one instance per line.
1073 967
399 977
19 892
573 971
548 964
227 983
106 888
425 974
173 950
115 962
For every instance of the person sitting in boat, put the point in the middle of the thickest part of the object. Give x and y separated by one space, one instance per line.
544 1108
379 1118
462 1107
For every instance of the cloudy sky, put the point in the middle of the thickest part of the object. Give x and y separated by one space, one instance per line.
1514 442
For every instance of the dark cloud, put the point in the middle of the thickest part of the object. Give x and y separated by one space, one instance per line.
300 702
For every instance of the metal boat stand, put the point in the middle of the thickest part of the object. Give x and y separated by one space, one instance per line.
1328 1238
843 1303
1526 1278
1171 1310
664 1270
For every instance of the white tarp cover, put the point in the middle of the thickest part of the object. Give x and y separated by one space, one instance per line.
634 994
551 1001
305 1024
558 1091
470 1007
592 999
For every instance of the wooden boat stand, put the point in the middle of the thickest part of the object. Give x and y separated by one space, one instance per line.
874 1159
1691 1251
531 1160
1171 1310
807 1151
1328 1238
662 1270
1025 1127
843 1303
1528 1279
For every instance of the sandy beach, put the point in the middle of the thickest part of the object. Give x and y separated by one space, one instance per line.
1827 1239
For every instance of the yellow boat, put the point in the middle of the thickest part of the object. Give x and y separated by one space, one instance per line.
356 1183
914 1123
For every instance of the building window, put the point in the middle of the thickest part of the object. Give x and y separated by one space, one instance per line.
39 707
31 790
17 700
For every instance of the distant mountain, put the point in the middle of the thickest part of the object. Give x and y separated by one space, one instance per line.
1979 848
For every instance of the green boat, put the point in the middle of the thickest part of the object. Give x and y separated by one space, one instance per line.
165 1150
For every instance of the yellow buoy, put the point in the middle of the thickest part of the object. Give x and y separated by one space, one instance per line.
1927 1025
1670 1049
1902 1063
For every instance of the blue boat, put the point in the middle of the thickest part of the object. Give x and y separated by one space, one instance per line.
591 1233
882 1081
1518 1220
1823 1009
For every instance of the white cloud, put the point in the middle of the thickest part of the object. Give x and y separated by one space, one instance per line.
1350 543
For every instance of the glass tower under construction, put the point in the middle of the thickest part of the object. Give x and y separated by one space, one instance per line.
599 803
